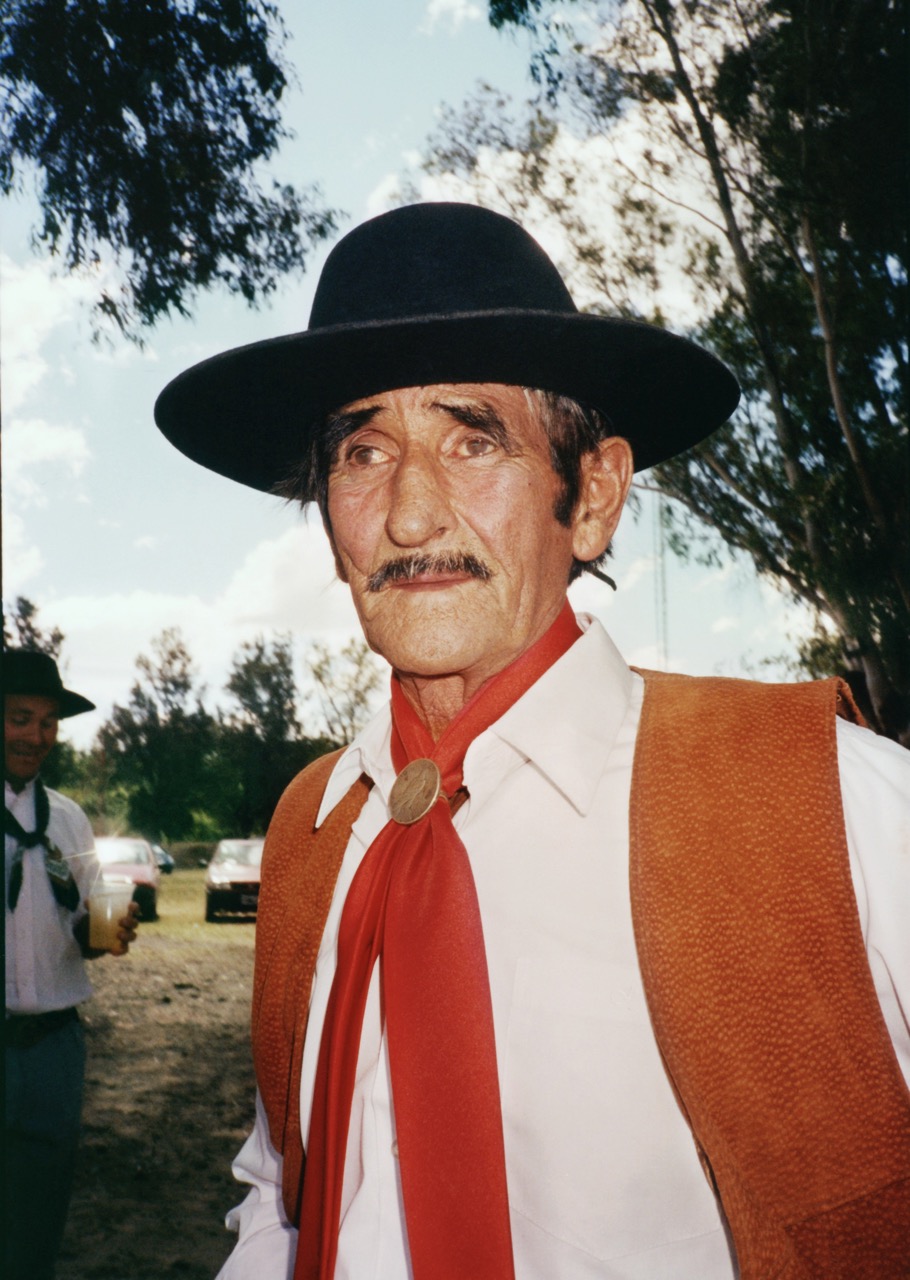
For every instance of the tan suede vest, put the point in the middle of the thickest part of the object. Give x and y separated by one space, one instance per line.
753 961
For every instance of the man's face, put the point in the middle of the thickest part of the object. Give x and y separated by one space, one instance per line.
440 506
30 725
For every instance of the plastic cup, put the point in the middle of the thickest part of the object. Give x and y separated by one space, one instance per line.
107 906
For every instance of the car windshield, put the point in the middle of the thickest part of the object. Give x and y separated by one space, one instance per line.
247 853
119 849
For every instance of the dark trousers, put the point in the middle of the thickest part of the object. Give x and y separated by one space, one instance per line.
43 1109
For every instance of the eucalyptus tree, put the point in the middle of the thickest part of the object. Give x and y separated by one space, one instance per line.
159 747
750 159
142 130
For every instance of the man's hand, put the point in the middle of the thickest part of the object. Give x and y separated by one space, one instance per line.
129 926
126 933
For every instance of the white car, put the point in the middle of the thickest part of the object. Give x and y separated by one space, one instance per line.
232 878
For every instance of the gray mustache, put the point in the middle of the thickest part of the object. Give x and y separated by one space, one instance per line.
407 568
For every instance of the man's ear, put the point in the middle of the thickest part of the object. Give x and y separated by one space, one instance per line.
606 477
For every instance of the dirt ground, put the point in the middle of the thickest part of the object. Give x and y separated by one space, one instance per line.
169 1097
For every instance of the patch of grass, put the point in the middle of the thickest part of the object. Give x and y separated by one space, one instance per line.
169 1096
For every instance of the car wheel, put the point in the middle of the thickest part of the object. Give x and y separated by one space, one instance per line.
209 909
147 902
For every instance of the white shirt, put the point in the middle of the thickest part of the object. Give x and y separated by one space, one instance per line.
603 1176
45 968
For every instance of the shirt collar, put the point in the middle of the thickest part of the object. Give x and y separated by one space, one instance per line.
369 753
13 797
565 724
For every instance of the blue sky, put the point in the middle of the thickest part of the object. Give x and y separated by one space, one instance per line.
115 535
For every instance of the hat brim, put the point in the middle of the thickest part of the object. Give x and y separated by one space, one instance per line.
245 413
72 704
68 703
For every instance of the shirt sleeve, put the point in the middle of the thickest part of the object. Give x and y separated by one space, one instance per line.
83 859
267 1243
875 786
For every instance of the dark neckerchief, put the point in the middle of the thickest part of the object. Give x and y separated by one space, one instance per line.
64 887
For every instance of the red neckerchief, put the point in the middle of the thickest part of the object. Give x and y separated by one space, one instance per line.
412 904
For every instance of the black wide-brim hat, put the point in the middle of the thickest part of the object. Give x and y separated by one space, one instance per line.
439 293
34 674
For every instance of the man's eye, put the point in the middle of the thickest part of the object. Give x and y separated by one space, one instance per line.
477 446
363 455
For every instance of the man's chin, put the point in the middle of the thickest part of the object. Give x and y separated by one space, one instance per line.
19 774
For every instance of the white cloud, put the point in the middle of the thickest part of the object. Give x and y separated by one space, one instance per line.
22 561
725 623
35 303
32 443
454 13
285 584
288 583
146 543
384 195
783 620
641 567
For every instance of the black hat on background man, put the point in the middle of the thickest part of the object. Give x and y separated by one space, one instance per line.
34 674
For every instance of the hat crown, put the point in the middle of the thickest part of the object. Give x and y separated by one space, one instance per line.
435 259
29 671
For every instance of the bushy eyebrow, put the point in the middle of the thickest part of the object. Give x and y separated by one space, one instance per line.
482 417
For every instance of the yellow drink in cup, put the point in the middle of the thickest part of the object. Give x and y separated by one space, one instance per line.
107 906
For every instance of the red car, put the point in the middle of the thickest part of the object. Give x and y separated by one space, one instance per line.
232 878
132 858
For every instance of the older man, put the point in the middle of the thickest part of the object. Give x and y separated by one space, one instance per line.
547 919
51 869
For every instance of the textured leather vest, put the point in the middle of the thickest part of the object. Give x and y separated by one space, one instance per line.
753 962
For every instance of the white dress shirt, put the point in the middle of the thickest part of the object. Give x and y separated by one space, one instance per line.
45 968
603 1176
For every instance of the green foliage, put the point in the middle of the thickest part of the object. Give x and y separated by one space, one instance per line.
262 682
21 629
345 683
260 748
144 124
754 156
206 827
88 778
159 745
513 12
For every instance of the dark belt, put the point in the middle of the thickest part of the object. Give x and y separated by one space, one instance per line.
26 1029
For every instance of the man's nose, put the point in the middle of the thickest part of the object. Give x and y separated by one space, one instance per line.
419 506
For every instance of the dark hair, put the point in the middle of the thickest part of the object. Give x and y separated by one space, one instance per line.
572 429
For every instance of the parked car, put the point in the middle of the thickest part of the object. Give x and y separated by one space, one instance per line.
232 878
165 862
132 858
